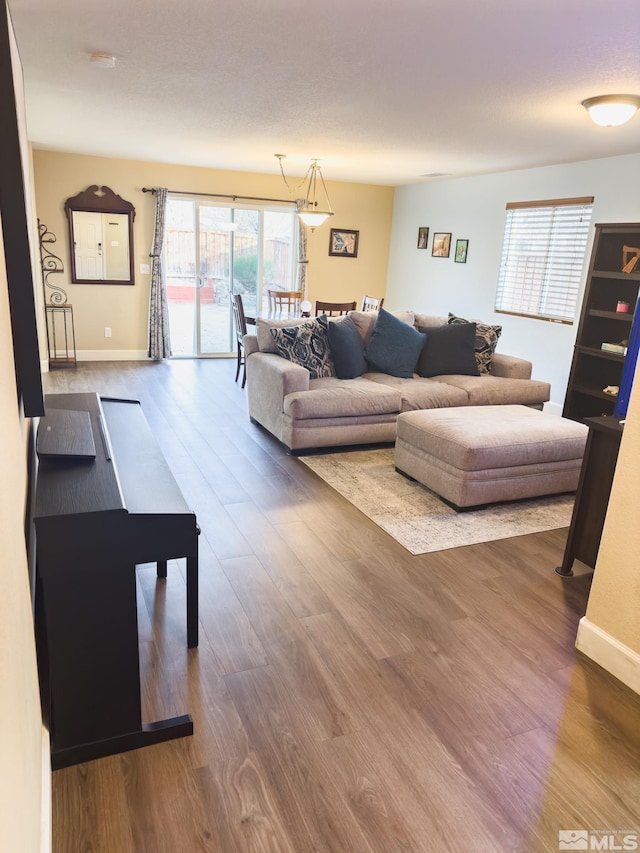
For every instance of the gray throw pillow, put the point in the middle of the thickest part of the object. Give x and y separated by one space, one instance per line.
306 344
347 349
449 350
394 347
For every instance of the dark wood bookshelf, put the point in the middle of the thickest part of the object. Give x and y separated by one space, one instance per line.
593 369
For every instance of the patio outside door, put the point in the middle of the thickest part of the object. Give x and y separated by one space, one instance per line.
211 251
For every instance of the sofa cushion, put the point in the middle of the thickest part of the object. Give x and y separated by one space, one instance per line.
306 344
429 321
486 341
394 347
366 320
266 342
487 390
418 393
341 398
448 349
347 349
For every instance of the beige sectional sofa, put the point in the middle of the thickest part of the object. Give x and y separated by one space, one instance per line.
305 413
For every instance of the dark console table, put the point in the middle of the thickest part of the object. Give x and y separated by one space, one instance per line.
96 517
592 496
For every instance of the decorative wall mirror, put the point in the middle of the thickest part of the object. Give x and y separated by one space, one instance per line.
100 237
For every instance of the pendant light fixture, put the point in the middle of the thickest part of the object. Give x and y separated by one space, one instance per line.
309 209
611 110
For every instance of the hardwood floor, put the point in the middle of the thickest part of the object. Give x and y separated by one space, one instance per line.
346 696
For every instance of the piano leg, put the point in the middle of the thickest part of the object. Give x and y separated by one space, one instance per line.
161 568
192 600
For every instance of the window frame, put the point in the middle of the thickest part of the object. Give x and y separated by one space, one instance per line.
550 260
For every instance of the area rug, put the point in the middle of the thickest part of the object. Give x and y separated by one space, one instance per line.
416 517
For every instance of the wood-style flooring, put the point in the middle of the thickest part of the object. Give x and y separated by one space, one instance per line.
346 696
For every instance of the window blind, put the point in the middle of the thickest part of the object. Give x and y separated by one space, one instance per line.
542 258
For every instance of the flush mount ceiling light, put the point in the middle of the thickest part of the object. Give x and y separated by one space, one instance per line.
611 110
308 208
103 60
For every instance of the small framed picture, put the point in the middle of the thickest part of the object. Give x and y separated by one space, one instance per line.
423 237
441 244
343 243
460 256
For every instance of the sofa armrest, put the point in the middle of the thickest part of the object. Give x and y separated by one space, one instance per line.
250 343
269 379
510 367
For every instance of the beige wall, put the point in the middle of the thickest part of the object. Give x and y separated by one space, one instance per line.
614 600
363 207
23 785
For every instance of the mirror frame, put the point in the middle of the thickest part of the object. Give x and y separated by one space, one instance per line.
97 199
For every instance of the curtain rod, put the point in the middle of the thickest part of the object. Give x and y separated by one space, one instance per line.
222 195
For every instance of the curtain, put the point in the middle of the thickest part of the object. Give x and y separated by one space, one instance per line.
302 258
159 343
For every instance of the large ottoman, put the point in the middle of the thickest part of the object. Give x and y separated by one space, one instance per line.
483 454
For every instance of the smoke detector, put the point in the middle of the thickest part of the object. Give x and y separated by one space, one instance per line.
103 60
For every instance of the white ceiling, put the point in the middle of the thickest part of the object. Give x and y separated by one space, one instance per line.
382 91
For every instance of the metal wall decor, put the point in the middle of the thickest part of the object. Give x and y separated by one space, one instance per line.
50 263
61 336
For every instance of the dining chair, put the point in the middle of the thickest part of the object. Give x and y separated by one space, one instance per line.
285 301
334 309
241 331
370 303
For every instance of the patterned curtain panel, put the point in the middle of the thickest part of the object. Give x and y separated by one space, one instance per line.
302 257
159 343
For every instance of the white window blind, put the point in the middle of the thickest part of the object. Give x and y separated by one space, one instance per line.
542 258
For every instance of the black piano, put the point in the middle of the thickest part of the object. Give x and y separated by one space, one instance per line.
106 501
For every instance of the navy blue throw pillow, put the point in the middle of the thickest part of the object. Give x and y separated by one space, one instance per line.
394 347
347 349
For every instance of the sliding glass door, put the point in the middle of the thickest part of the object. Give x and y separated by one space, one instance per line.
213 250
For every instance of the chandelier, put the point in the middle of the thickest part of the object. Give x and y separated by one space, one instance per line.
308 208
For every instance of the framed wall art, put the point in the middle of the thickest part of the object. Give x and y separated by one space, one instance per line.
441 244
462 247
343 243
423 237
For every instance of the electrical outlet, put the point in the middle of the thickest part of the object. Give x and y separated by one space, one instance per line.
107 331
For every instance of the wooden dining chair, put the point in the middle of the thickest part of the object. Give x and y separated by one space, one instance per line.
241 331
334 309
285 301
370 303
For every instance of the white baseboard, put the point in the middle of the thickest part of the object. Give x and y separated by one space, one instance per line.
46 825
609 653
553 408
112 355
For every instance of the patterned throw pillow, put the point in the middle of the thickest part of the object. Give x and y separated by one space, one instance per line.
486 342
307 344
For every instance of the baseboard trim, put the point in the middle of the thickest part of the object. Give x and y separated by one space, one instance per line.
46 817
609 653
552 408
112 355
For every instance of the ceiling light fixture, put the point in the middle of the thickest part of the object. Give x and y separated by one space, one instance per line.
103 60
611 110
308 208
